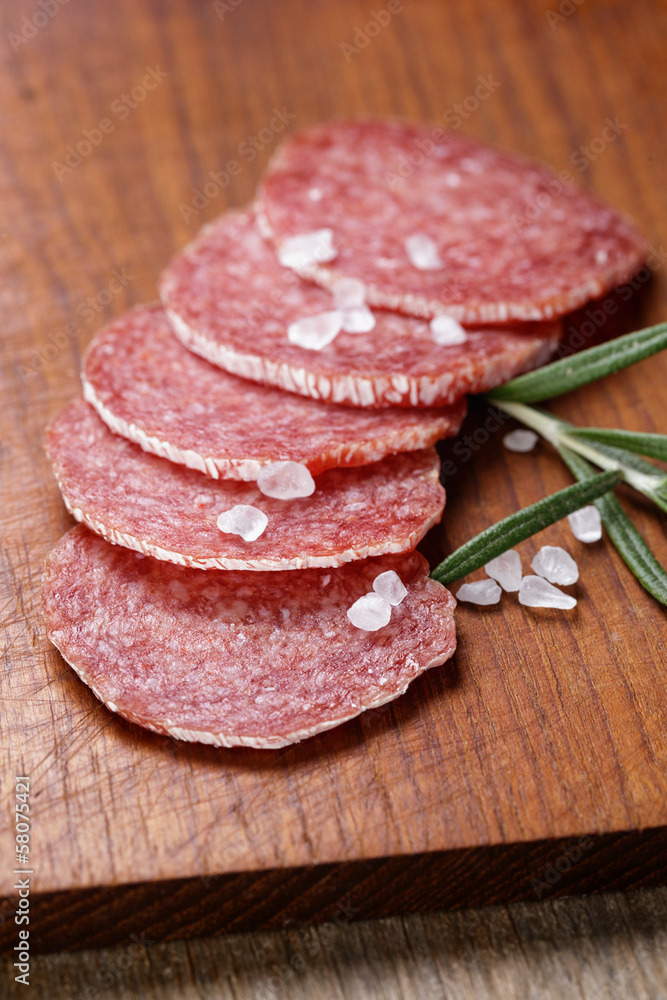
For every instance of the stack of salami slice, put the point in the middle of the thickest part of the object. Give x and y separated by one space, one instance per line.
259 448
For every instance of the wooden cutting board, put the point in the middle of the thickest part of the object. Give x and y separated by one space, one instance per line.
533 764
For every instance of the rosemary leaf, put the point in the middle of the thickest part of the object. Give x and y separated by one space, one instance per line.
587 366
505 534
630 545
650 445
625 458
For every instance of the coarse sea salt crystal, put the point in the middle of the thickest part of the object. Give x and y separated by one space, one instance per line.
315 332
308 249
358 319
555 565
519 440
446 331
243 520
586 524
506 570
285 481
390 586
348 292
422 252
370 612
349 296
535 592
480 592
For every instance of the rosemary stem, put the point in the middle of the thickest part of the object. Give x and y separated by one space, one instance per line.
555 432
547 426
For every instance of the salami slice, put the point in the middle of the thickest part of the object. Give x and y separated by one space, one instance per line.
237 659
147 387
231 302
151 505
434 222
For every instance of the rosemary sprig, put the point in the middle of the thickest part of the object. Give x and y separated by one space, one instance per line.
615 451
587 366
517 527
630 545
641 475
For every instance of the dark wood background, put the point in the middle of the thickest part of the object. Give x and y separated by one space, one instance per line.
546 725
605 947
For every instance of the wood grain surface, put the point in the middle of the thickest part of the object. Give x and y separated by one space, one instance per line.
606 947
546 725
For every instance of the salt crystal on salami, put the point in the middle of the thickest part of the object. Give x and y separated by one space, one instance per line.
435 222
348 293
147 387
358 319
349 296
370 612
305 249
244 520
315 332
447 331
422 252
206 291
390 586
232 658
285 481
167 511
